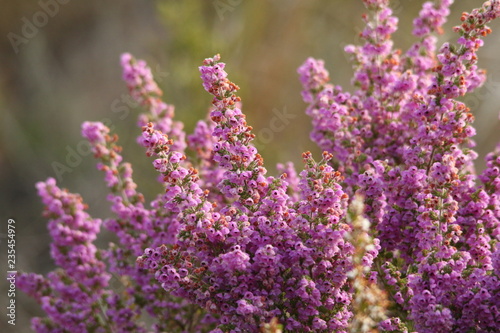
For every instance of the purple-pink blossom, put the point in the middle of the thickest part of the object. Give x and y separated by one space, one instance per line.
389 230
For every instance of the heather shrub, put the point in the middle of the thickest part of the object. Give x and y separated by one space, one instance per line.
390 230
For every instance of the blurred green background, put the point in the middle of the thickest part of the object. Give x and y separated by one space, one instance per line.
68 71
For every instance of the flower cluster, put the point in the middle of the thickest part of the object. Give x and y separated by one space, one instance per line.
392 230
73 296
403 140
261 254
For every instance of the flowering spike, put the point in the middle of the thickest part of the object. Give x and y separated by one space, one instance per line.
227 248
145 91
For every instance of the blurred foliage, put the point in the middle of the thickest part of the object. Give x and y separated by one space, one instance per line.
69 72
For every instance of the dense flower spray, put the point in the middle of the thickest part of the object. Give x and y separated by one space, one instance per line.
403 141
391 230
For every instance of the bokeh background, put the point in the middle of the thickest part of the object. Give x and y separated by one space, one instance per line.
66 71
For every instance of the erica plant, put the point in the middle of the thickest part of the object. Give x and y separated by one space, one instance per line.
390 230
